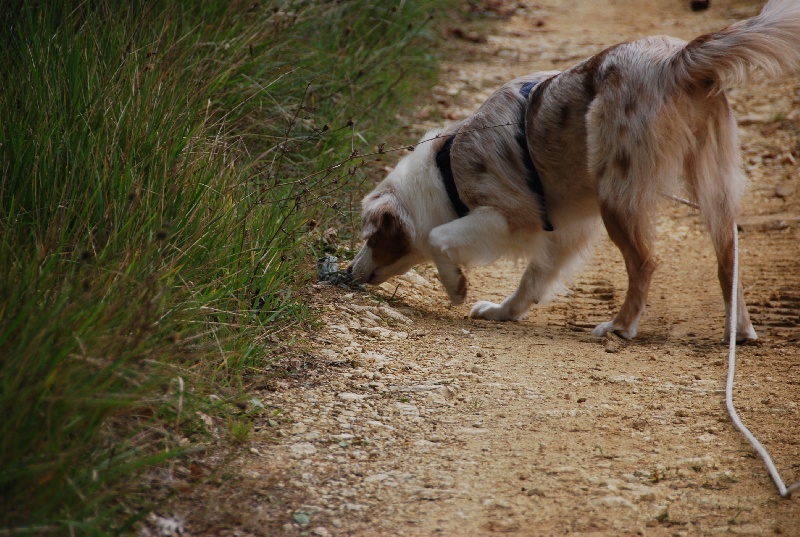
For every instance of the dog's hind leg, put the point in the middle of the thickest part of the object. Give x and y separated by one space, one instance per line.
724 245
718 184
478 238
632 237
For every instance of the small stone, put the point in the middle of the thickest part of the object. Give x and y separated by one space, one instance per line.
612 344
376 478
302 448
321 531
376 423
205 418
395 315
407 409
347 396
612 501
299 428
302 518
446 391
785 190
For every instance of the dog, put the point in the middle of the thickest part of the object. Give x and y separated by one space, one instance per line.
550 156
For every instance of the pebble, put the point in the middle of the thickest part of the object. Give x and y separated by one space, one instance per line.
376 423
348 396
447 392
613 501
302 448
299 428
785 190
302 518
407 409
376 478
612 344
395 315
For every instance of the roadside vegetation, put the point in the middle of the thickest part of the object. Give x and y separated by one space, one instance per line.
161 166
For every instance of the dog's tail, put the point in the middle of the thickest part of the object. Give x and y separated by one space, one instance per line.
770 41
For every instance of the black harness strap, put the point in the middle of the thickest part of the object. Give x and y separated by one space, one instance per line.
534 181
445 168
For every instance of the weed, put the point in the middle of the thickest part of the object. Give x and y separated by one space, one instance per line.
240 429
475 404
159 162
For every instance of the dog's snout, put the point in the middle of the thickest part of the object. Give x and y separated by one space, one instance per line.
349 270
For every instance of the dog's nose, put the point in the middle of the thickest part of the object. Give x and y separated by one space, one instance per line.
349 270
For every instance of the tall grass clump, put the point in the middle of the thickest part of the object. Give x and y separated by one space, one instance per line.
160 162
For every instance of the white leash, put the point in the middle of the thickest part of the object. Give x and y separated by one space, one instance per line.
762 452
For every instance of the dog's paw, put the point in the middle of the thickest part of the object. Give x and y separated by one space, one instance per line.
456 285
490 311
608 328
743 336
749 334
603 328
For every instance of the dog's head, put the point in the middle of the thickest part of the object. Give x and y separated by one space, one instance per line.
389 248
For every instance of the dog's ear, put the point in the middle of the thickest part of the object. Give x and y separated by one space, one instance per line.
389 239
390 224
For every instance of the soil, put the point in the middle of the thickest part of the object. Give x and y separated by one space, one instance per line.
412 419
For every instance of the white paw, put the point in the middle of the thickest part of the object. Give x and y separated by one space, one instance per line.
742 336
490 311
603 328
608 328
747 335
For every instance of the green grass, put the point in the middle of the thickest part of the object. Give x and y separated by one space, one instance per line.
159 166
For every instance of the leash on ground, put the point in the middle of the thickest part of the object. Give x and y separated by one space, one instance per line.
762 452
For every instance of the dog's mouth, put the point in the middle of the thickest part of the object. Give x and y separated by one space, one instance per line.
372 279
375 278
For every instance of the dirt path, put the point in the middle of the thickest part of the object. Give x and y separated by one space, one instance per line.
415 420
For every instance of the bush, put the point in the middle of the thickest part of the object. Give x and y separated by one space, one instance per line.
159 162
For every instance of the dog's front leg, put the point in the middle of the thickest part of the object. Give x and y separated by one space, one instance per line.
477 238
551 256
533 287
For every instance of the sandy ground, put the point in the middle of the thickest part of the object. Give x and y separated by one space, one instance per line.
411 419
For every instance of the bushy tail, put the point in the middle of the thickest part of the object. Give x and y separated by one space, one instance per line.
769 41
